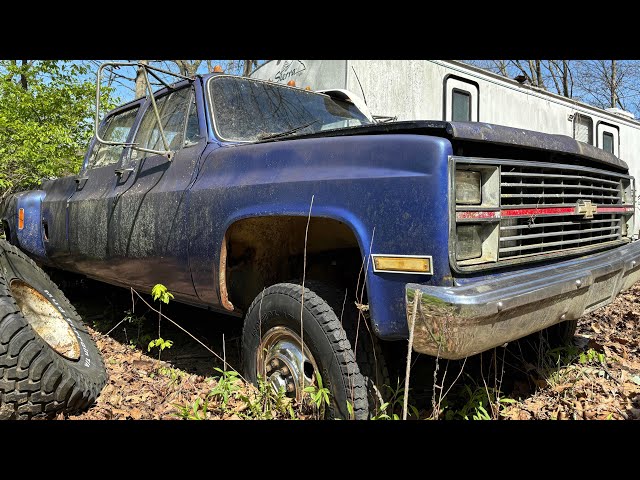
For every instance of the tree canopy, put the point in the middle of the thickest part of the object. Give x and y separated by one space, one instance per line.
46 110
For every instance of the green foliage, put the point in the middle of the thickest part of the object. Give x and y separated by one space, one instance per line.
319 394
173 374
592 357
391 409
159 343
46 110
266 403
159 291
477 403
263 403
228 385
195 411
350 410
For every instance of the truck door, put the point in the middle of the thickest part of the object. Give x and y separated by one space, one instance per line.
89 208
147 237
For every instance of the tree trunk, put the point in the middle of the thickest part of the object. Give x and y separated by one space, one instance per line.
23 78
141 87
188 69
565 79
248 67
614 84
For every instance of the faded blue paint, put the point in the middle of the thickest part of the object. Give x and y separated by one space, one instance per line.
396 184
30 237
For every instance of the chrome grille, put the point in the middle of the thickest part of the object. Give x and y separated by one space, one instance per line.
545 186
552 185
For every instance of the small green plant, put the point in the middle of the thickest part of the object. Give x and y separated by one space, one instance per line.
350 410
479 403
266 404
160 292
228 384
173 374
592 357
159 343
391 409
319 394
480 413
195 411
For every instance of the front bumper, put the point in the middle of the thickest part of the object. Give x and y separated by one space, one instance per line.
455 322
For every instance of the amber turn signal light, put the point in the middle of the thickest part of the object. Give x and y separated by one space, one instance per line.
21 219
402 264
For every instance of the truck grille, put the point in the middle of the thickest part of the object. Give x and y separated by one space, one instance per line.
524 187
529 211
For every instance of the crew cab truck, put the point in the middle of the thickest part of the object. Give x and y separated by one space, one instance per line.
233 192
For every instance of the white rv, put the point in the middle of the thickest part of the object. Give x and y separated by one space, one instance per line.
450 90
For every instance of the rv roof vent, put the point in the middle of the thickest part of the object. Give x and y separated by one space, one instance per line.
620 112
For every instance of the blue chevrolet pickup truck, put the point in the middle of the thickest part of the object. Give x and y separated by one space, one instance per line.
232 192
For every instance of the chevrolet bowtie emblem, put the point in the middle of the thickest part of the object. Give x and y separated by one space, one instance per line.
586 208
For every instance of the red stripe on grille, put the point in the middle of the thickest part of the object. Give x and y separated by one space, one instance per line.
523 212
475 215
519 212
614 210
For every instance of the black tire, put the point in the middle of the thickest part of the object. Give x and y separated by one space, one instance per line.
369 356
279 306
36 380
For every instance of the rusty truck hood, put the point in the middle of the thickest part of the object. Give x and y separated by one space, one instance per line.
479 132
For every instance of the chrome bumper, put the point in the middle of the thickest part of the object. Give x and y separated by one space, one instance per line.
455 322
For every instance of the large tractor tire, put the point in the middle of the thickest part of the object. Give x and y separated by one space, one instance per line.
48 361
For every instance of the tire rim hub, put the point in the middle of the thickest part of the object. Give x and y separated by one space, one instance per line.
285 362
47 321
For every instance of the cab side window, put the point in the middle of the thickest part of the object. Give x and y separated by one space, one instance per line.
115 129
179 121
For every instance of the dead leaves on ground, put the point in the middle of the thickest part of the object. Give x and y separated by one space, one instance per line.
601 392
141 387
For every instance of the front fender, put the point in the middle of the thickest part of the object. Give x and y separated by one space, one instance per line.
391 190
29 238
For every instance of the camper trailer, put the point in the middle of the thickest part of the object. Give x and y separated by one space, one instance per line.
455 91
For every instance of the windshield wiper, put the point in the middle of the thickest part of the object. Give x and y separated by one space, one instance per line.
265 136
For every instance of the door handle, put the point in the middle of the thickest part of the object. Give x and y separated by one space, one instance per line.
120 171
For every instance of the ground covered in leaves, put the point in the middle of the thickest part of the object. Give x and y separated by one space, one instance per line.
598 377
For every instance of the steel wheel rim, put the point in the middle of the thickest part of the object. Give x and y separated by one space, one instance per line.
284 362
46 320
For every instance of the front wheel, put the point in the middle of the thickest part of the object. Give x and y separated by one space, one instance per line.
275 348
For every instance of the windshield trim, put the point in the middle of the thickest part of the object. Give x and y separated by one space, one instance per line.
212 113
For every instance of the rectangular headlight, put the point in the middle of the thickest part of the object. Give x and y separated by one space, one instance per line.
468 187
469 242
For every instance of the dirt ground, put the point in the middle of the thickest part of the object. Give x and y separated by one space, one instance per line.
598 377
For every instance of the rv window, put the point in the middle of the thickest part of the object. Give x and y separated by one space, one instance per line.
461 106
583 128
607 142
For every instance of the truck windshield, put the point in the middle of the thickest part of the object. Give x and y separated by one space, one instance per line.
249 110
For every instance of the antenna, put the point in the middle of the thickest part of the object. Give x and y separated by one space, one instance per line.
361 89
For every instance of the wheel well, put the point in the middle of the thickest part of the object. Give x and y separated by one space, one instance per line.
262 251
